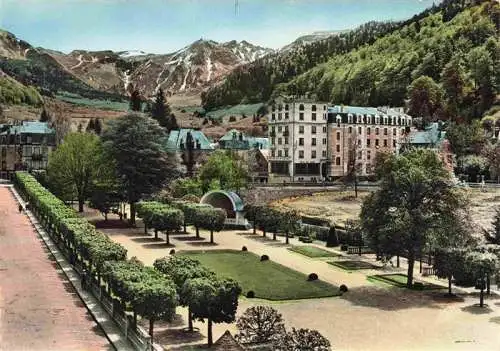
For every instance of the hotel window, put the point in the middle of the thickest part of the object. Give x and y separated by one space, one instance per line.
313 116
273 117
273 153
385 131
376 131
313 107
313 154
323 153
286 141
337 161
301 116
350 130
324 129
324 141
279 153
368 131
359 143
369 119
313 130
280 107
368 155
338 135
301 141
338 148
274 107
349 119
301 129
376 142
359 130
313 141
279 116
385 142
368 142
393 143
279 129
286 107
286 114
359 155
394 131
301 153
286 151
279 141
301 107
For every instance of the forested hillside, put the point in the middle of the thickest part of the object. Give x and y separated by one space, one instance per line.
375 64
13 92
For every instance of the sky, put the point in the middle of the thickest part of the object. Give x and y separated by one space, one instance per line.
163 26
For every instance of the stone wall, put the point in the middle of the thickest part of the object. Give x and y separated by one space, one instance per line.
265 195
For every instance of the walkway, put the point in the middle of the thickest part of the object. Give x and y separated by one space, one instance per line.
39 309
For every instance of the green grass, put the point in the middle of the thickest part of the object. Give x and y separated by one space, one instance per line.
399 280
313 251
237 110
353 265
269 280
96 103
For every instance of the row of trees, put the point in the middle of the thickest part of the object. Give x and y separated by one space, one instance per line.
160 217
418 209
271 220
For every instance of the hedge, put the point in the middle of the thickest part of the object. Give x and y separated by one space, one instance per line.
78 235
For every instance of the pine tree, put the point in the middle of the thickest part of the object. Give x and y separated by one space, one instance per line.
44 116
160 110
135 101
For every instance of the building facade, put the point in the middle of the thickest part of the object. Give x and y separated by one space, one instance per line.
25 145
356 134
312 141
298 141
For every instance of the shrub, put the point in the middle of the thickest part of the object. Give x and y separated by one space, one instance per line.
332 240
250 294
191 198
343 236
244 248
264 258
418 286
312 277
344 247
343 288
232 119
172 252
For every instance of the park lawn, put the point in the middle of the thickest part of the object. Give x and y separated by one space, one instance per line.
312 251
268 280
399 280
353 265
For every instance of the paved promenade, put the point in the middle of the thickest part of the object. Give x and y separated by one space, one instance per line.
39 309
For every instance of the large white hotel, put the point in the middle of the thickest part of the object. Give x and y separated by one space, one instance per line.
313 141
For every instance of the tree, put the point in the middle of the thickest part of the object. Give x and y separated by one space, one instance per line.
352 166
75 164
44 116
482 73
98 126
169 219
105 196
259 324
160 111
252 214
226 168
483 265
493 236
90 126
465 138
405 215
180 269
155 300
473 166
448 262
289 223
212 299
302 340
491 151
332 239
135 143
425 97
135 103
212 219
453 82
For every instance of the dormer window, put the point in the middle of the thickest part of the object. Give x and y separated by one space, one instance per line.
349 118
301 107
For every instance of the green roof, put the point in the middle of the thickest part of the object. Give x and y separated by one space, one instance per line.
178 137
28 127
231 140
235 198
432 135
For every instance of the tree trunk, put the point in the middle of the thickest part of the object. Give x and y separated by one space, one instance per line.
81 201
151 326
420 262
105 216
355 186
156 233
190 320
135 318
286 237
185 231
449 285
197 232
487 284
481 296
168 237
264 233
210 341
397 261
211 236
411 263
145 228
132 213
254 228
274 236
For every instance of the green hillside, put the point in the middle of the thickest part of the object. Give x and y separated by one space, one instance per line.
14 93
376 64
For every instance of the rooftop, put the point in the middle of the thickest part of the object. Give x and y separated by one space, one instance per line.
27 127
366 110
253 142
431 135
179 136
